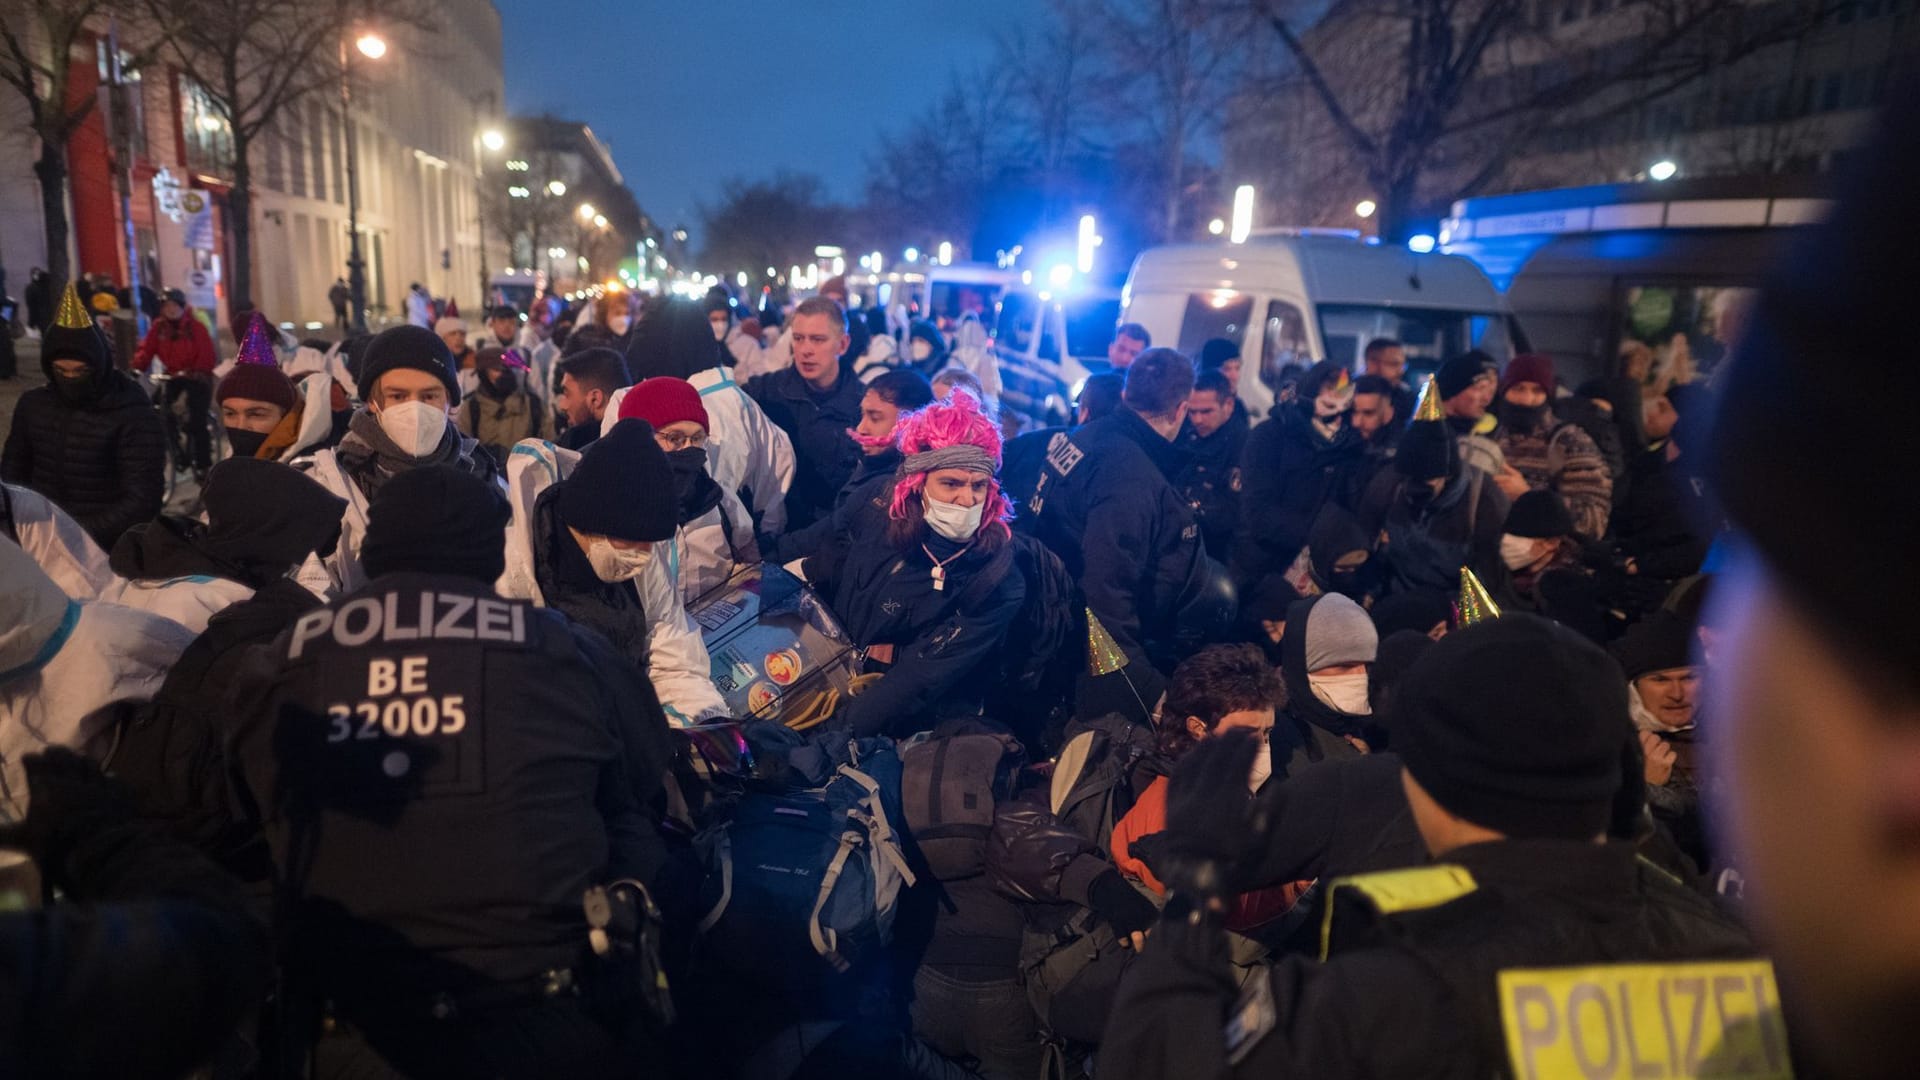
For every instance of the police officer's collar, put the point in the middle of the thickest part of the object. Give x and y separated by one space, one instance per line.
1561 866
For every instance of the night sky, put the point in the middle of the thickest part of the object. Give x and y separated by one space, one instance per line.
750 86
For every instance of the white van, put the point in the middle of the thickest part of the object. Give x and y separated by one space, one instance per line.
1289 298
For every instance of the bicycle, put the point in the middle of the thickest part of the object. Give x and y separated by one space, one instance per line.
173 415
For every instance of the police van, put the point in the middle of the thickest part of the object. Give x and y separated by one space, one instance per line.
1293 297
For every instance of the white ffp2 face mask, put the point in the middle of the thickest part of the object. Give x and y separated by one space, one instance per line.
612 564
1262 767
1515 551
921 349
414 426
953 521
1342 693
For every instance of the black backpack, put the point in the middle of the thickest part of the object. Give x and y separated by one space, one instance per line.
1032 675
949 786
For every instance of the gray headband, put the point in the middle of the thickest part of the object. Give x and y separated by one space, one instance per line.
958 456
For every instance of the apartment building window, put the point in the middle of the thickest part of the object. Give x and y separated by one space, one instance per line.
296 159
317 129
273 160
209 141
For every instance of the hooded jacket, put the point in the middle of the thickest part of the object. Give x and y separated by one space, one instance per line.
644 619
1560 457
1287 473
56 541
1423 544
167 570
68 669
1308 730
182 344
103 458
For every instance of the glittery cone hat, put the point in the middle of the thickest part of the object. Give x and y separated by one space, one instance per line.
72 314
1429 408
1103 653
1474 604
257 346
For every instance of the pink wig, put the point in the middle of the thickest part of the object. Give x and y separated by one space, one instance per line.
957 420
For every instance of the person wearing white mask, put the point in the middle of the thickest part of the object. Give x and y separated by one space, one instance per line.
1542 568
409 392
595 547
1325 656
928 589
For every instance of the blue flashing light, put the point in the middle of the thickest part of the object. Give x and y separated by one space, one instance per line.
1420 243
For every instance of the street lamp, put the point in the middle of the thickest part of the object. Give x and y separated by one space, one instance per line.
599 221
1216 226
373 47
1242 213
556 188
493 140
587 211
1663 170
1365 208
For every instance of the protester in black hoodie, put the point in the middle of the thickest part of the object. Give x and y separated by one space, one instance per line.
1434 513
89 440
1293 465
1329 645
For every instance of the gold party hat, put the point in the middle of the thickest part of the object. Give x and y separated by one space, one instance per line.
1103 653
1474 604
1429 403
1341 381
72 315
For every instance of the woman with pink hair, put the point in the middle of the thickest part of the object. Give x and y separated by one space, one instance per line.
927 590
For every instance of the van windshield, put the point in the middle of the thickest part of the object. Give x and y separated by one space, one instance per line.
1429 335
1221 313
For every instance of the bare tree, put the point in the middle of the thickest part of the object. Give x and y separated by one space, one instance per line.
931 177
763 223
45 81
1415 85
520 205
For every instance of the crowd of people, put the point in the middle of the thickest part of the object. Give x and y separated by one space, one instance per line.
1367 738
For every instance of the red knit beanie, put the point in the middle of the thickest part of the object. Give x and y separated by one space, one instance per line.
664 400
257 382
1536 368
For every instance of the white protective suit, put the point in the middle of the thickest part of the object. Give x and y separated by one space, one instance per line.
745 450
677 660
66 666
57 542
189 601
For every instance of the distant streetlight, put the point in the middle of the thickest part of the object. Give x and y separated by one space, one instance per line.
556 188
771 272
1242 213
946 253
493 140
587 211
1216 226
680 235
913 254
599 221
878 263
1088 239
1662 170
371 45
1365 208
741 278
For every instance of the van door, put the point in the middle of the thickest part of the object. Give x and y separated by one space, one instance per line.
1269 357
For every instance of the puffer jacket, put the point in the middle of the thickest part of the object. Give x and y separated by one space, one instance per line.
69 669
64 550
103 460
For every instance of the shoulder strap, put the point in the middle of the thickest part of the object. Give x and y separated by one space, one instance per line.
1394 892
985 582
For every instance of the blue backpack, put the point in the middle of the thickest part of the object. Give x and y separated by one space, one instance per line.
804 875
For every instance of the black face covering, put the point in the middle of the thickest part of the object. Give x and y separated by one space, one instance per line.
75 389
696 491
245 443
501 383
1522 418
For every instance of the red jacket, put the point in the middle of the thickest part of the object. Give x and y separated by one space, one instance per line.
182 344
1149 816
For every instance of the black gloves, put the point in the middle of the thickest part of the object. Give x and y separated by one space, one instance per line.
69 800
1124 907
1213 821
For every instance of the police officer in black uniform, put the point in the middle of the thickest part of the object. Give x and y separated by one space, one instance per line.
441 776
1532 947
1106 506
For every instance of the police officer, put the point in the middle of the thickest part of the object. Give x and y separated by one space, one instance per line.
441 774
1531 947
1106 506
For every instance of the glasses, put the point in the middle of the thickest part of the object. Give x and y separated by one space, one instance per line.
675 441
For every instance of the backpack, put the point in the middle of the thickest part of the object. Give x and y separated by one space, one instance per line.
803 877
1071 968
949 787
1031 677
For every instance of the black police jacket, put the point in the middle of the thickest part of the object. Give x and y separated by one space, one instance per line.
440 773
823 456
1288 471
1210 481
1105 505
1512 958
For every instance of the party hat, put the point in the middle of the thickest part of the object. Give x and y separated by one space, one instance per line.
72 314
1103 653
257 347
1341 381
453 309
1429 403
1474 604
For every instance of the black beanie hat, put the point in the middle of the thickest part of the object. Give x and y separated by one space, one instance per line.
437 520
623 487
1539 515
1515 724
1456 373
1397 654
1660 642
1825 308
1427 451
1414 609
407 346
263 515
1217 351
75 343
